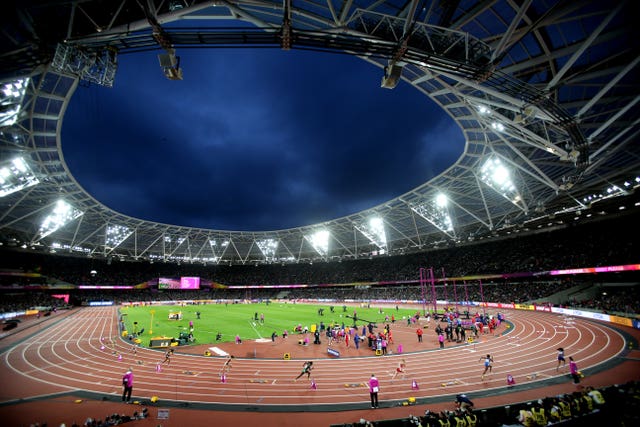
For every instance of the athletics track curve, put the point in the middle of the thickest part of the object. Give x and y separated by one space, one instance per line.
79 354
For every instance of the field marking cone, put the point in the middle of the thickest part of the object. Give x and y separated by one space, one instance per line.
223 378
414 385
119 357
313 385
510 380
158 368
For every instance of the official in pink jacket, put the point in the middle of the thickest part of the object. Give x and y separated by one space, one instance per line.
374 388
127 384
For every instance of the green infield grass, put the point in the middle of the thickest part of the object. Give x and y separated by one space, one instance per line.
239 319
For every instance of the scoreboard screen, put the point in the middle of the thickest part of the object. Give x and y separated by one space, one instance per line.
179 283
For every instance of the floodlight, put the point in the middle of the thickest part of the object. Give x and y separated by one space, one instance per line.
500 175
319 241
373 229
116 234
11 96
268 247
497 176
437 213
69 248
441 200
375 222
63 213
15 175
483 109
19 164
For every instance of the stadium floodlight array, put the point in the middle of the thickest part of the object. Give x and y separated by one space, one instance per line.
497 126
177 240
496 175
373 229
170 246
515 124
63 213
116 234
491 118
613 190
437 213
223 244
486 112
11 96
16 174
563 141
319 241
268 247
213 245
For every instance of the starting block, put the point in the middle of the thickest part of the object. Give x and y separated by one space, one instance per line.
378 352
354 385
259 381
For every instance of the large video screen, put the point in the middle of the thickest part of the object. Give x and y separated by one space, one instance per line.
64 297
181 283
189 283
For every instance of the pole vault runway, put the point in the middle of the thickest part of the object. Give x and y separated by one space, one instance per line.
82 353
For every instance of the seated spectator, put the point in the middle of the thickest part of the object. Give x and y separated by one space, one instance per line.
597 397
525 417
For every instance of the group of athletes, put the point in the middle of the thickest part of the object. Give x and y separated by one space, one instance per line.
307 367
400 370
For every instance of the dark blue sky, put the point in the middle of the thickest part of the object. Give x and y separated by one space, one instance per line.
253 139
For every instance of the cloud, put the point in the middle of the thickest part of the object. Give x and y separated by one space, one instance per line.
253 139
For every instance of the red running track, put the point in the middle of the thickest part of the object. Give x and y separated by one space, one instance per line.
80 352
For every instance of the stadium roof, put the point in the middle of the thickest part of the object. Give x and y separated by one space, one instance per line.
546 94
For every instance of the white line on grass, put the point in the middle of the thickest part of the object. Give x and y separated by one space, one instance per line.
254 328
